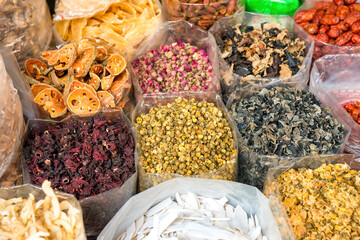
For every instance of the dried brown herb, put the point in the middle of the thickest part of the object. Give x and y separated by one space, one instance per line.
81 157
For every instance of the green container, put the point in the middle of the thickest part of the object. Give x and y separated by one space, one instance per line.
274 7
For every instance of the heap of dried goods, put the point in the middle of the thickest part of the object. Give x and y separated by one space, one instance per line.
203 13
81 157
261 53
47 218
185 137
173 68
79 77
322 203
354 110
189 216
336 22
284 121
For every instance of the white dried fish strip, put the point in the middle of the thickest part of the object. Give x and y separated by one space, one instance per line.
191 217
44 219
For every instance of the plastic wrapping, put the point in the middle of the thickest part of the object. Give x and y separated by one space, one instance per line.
99 209
273 193
228 172
176 31
24 191
275 7
200 13
322 48
230 81
249 198
25 27
11 120
254 166
336 77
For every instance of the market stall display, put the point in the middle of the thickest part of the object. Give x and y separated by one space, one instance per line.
38 213
316 197
191 135
279 122
80 78
92 159
258 49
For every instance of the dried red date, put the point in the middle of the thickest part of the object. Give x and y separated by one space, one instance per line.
352 17
304 16
323 29
322 5
339 2
355 38
355 28
331 10
322 37
348 2
330 20
356 7
334 32
343 38
342 12
311 28
316 20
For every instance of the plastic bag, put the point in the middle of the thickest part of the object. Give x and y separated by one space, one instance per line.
99 209
274 7
336 77
11 120
230 81
272 191
23 191
322 48
25 27
176 31
227 172
200 13
254 166
249 198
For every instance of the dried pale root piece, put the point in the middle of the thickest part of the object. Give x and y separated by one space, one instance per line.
47 218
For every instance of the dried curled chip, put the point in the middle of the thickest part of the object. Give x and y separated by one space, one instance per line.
82 65
64 58
116 64
62 81
107 81
120 86
36 88
83 102
35 67
94 81
51 101
75 84
101 53
46 55
107 100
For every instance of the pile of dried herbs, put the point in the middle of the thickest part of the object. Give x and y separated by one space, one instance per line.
81 157
286 122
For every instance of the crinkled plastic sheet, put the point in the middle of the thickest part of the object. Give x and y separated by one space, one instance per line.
99 209
249 198
227 172
249 161
311 162
336 77
176 31
24 191
230 81
25 27
11 120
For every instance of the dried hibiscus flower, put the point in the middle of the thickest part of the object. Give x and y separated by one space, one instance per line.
81 157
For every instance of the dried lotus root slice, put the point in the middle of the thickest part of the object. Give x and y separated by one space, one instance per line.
116 64
51 101
64 58
83 64
36 88
107 100
35 67
120 86
46 55
75 84
83 102
101 53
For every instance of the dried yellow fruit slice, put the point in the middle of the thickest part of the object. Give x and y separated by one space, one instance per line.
83 102
107 100
35 67
83 45
101 53
52 101
82 65
116 64
36 88
64 58
94 81
46 55
120 86
106 82
75 84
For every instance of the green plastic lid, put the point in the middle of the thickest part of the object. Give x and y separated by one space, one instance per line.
274 7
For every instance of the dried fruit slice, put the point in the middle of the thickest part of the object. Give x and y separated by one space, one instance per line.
83 45
35 67
82 65
101 53
106 82
107 100
120 86
116 64
97 69
59 81
75 84
94 81
46 55
36 88
83 102
51 101
64 58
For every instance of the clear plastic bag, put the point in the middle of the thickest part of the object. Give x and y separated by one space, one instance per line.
230 81
322 48
99 209
227 172
249 198
254 166
312 162
171 32
23 191
336 77
25 27
11 120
